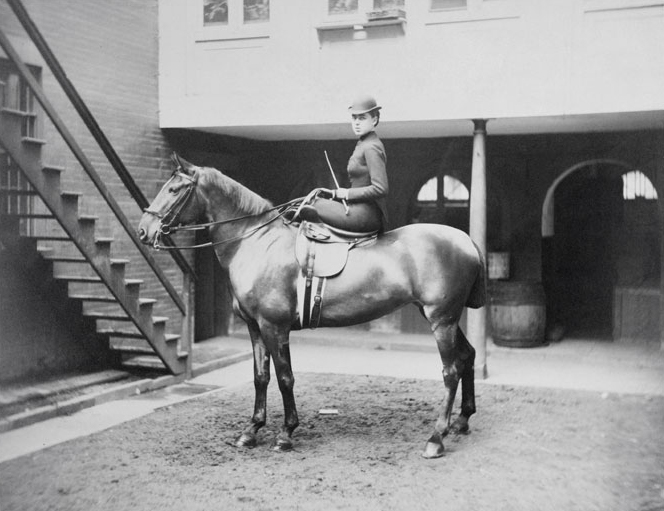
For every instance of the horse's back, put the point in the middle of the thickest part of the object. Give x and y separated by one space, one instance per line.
439 254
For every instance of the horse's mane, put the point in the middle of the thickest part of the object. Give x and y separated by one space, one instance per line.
245 201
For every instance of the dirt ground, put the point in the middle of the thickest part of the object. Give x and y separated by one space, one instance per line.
529 449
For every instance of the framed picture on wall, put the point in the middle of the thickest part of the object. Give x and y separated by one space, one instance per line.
256 11
215 12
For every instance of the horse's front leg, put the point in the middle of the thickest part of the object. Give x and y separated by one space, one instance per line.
445 338
276 340
261 381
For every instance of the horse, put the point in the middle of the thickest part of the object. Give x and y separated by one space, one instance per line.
436 267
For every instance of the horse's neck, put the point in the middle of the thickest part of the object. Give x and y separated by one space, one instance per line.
225 201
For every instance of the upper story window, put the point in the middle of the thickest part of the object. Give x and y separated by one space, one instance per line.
448 11
362 10
437 5
234 19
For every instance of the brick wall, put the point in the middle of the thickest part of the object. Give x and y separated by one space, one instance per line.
109 51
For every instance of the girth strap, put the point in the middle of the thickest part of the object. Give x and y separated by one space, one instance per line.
311 258
318 305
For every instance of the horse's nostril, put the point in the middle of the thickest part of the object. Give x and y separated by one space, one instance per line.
142 235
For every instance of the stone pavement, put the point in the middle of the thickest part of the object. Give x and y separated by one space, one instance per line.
597 366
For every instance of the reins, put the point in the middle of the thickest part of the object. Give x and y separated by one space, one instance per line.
166 219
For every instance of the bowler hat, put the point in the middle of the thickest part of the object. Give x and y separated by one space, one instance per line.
363 104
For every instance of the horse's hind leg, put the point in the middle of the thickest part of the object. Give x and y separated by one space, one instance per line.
466 354
261 381
456 357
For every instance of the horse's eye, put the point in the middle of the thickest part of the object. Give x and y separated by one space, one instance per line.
172 189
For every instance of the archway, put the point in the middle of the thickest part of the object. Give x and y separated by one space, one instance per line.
601 250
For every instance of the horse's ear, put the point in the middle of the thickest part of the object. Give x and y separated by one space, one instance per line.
181 163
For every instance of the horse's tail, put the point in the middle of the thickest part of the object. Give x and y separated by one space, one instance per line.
477 297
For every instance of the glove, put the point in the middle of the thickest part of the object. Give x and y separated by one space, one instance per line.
341 194
325 193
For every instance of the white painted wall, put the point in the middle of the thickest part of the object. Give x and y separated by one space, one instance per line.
543 60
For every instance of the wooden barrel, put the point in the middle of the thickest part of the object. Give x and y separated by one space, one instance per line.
518 313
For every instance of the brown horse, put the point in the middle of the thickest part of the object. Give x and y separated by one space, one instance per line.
434 266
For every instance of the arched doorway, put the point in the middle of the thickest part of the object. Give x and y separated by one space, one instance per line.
601 251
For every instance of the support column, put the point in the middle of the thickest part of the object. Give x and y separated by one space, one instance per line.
477 317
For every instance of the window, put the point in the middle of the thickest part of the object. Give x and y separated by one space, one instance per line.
443 200
448 4
361 11
218 12
339 7
233 19
637 185
17 98
449 11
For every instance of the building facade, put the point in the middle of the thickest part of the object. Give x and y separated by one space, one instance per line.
571 92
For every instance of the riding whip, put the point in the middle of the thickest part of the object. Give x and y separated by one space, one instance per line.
336 183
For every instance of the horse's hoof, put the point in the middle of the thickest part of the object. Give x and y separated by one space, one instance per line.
282 445
433 450
245 440
460 427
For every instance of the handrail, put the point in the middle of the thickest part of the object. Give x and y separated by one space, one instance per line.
88 118
87 165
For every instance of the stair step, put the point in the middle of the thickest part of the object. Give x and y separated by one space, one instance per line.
112 316
53 169
119 261
107 299
144 361
65 258
78 278
33 140
129 334
68 194
149 361
93 298
51 237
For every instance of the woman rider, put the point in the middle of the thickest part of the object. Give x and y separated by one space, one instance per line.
366 197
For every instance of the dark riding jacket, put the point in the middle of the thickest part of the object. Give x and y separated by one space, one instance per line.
367 173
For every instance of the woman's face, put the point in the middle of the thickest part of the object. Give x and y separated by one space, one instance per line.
362 124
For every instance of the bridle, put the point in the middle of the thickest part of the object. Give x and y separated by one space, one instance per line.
167 219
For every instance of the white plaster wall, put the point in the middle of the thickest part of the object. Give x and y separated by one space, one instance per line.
534 58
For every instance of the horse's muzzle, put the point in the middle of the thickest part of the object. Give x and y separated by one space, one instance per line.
143 236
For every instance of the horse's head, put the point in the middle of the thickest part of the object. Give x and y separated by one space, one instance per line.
173 205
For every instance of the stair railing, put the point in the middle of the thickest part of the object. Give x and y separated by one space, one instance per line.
88 118
89 169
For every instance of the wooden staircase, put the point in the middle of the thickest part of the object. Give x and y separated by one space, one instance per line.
83 259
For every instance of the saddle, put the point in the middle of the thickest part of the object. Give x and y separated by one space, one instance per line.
321 252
